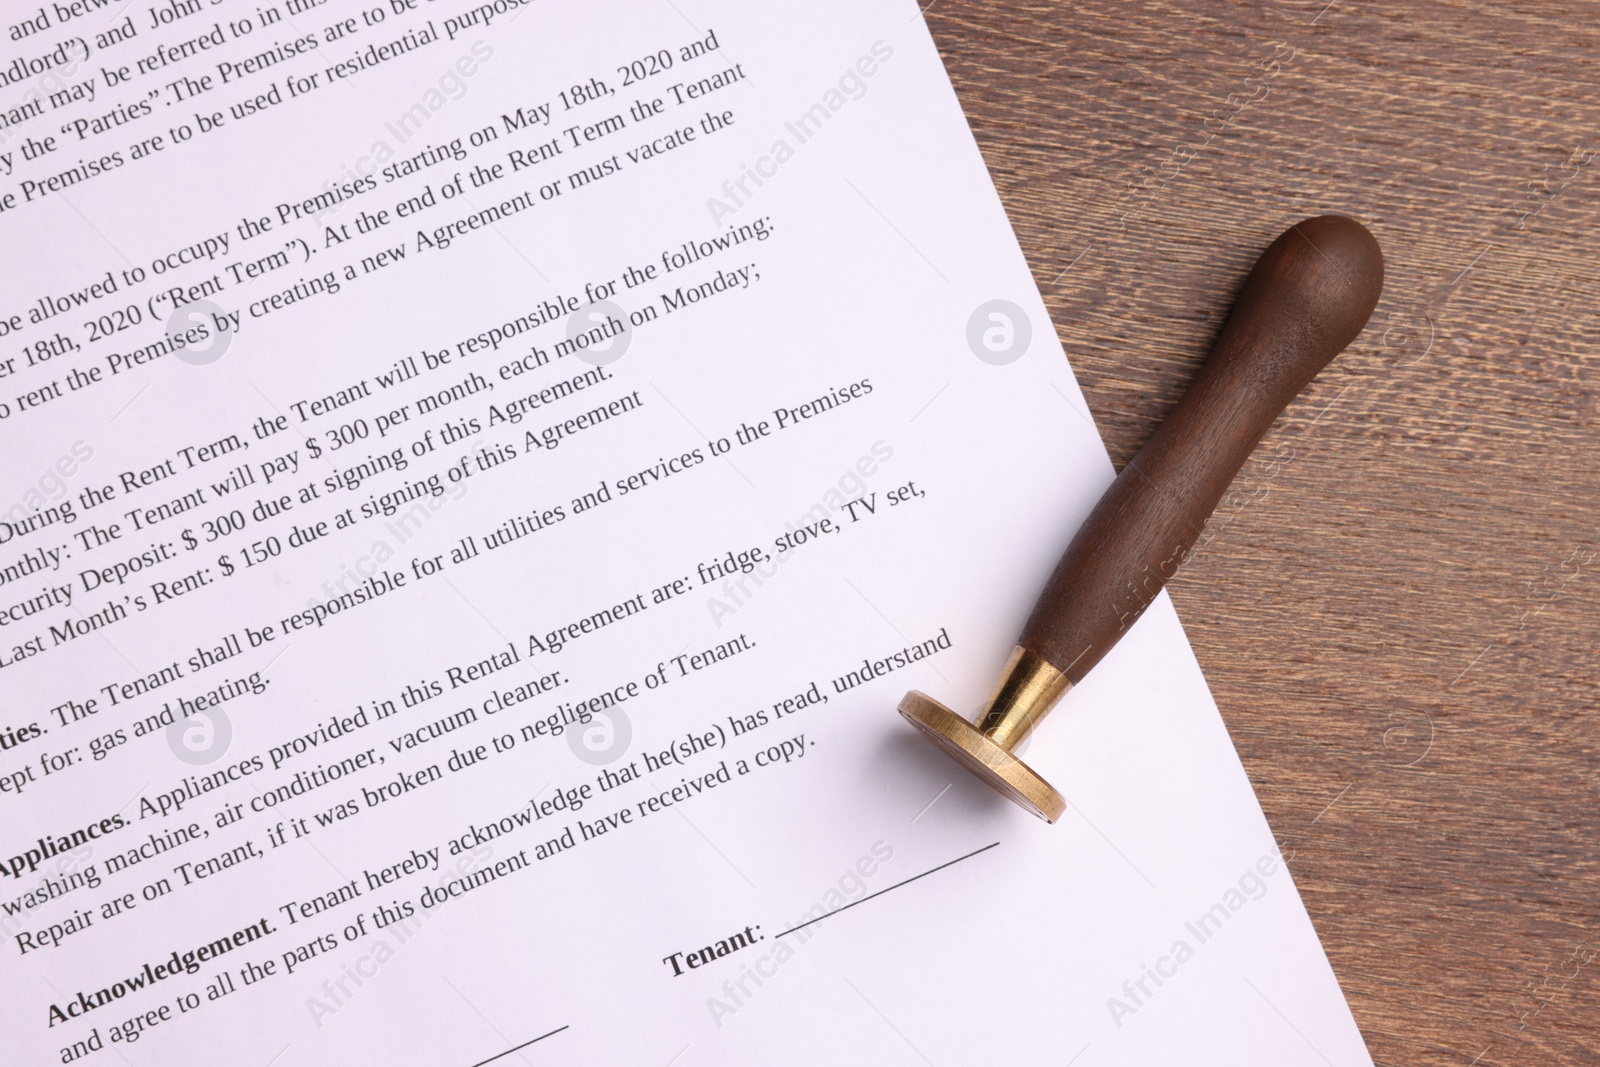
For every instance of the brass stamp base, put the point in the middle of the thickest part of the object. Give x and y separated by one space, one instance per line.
964 741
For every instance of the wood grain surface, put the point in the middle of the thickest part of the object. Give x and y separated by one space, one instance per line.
1396 605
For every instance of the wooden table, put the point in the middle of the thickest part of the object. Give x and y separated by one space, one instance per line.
1396 608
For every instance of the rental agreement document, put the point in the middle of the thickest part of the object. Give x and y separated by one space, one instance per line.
479 475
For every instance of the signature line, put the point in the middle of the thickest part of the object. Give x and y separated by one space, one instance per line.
524 1045
880 893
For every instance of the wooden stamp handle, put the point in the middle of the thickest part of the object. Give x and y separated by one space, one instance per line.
1307 297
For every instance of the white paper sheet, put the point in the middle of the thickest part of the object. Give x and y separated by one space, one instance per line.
402 860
